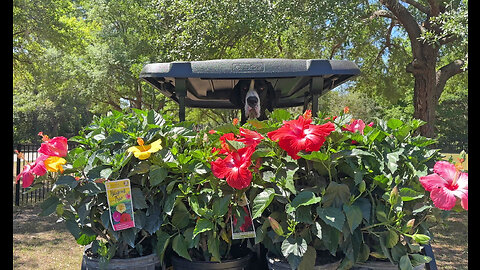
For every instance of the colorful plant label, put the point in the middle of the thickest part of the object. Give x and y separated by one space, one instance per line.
241 220
119 197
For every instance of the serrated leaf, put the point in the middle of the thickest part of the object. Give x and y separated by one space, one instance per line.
302 199
391 239
138 199
202 225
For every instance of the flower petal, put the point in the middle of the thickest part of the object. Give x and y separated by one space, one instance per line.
446 170
443 198
432 181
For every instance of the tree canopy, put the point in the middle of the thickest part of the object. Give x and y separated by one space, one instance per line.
74 59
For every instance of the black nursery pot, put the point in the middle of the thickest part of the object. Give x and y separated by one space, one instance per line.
242 263
149 262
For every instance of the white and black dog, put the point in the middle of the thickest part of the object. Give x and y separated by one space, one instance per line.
253 97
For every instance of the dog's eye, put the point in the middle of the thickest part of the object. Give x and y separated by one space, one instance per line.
262 88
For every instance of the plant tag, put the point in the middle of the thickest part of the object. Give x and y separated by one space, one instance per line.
119 197
241 220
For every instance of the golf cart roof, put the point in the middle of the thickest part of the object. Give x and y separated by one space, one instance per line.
209 83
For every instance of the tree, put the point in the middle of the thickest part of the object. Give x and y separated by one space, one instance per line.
428 28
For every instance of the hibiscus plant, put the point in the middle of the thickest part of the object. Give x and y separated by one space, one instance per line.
117 146
340 187
307 189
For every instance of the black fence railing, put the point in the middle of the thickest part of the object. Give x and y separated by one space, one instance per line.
21 195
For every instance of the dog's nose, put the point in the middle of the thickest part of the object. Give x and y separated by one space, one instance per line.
252 101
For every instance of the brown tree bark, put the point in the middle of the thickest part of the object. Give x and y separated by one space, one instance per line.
429 83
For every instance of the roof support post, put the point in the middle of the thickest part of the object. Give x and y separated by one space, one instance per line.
181 93
316 87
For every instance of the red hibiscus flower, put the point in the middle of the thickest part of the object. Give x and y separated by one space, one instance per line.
299 135
249 137
445 184
54 147
125 218
234 168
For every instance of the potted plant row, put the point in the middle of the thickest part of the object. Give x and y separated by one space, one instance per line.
285 193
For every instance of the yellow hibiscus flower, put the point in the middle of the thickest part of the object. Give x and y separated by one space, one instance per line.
54 164
121 208
144 151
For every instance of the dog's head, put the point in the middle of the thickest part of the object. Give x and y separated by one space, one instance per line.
253 97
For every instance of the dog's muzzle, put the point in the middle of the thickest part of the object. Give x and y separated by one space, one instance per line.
252 103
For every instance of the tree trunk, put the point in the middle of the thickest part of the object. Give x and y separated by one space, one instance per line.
425 101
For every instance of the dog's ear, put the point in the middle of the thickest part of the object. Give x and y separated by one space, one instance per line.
237 95
270 96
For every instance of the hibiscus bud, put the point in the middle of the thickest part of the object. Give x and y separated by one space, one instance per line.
394 195
410 224
275 226
362 186
422 239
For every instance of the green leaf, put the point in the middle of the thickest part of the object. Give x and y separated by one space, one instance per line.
138 199
418 259
332 216
422 239
308 260
155 118
408 194
294 248
280 115
220 206
405 263
202 225
262 201
163 239
336 195
354 216
179 246
392 160
157 175
303 198
213 245
394 123
391 239
67 180
315 156
128 236
49 205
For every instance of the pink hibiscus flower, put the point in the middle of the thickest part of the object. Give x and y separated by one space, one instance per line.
446 184
30 170
55 147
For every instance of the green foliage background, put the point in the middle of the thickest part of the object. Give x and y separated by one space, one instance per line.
76 59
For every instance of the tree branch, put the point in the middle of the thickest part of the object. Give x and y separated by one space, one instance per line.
409 23
446 72
417 5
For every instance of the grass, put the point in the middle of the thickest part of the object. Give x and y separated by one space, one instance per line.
450 243
41 243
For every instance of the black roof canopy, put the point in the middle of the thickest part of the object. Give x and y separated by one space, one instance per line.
208 84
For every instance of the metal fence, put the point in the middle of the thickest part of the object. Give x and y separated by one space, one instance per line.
21 195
